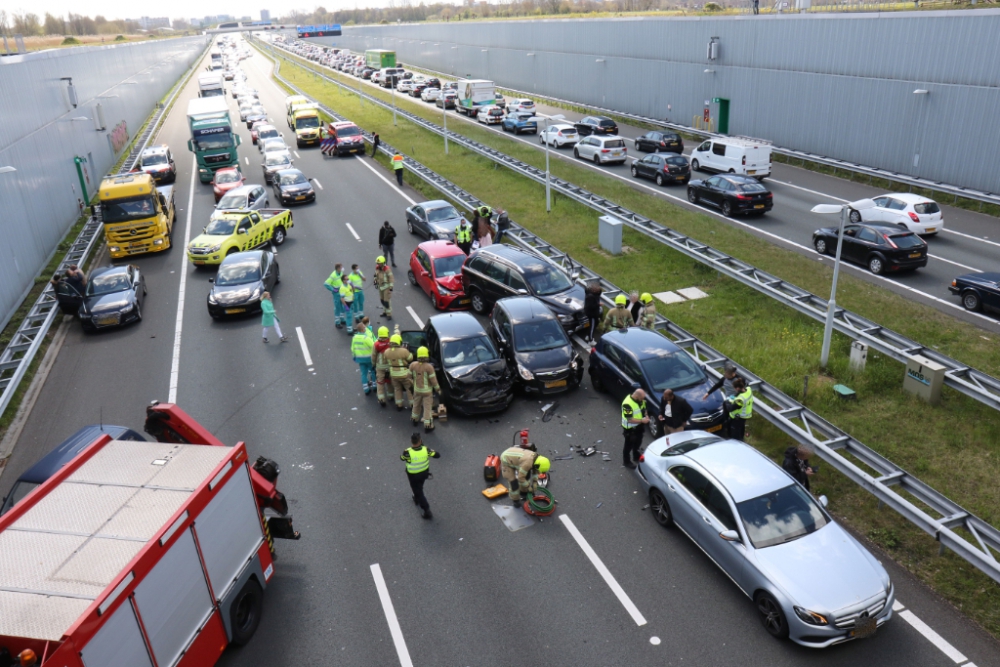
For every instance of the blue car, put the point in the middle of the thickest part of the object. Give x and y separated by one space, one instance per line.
634 358
50 464
520 121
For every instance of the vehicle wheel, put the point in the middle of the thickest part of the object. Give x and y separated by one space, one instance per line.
695 165
659 179
597 160
478 303
727 209
660 509
692 196
596 383
855 216
821 246
409 227
876 265
541 140
435 302
279 236
231 251
635 172
771 615
244 615
277 276
732 171
971 301
144 290
576 153
655 429
412 278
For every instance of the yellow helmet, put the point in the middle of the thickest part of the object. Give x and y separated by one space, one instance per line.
380 260
646 297
396 340
542 464
621 300
422 353
383 332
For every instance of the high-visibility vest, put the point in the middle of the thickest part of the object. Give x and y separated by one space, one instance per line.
347 292
463 234
745 403
362 345
335 280
420 460
638 412
397 162
357 280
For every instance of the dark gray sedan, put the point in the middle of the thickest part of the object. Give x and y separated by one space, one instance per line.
242 278
435 219
114 296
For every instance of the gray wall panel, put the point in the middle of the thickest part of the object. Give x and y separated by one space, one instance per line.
839 85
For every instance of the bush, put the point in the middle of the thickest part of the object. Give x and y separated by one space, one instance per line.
120 38
69 41
713 7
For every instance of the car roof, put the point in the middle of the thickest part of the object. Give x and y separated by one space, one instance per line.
741 469
49 464
436 249
908 197
247 256
738 178
890 230
104 270
243 189
292 170
154 150
343 123
643 343
456 326
525 309
434 203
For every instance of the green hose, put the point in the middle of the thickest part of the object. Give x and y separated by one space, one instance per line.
543 508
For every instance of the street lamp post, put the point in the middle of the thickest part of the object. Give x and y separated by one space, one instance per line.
393 103
444 119
548 188
831 306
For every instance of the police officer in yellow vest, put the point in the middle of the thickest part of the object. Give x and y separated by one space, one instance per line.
425 383
399 359
381 364
647 317
361 349
619 317
418 464
740 409
397 166
333 283
384 285
463 236
634 420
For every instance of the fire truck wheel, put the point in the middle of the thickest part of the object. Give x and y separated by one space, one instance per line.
244 615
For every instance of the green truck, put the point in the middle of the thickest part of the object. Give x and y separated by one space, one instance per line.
380 58
212 141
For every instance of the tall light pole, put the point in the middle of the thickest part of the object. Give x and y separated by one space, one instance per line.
393 86
548 188
831 306
444 117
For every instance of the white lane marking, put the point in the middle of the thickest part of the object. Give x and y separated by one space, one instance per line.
390 617
297 154
317 184
932 636
387 181
897 605
246 160
970 236
416 318
305 348
609 578
814 192
175 362
351 230
964 266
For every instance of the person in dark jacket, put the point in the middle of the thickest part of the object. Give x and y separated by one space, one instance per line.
375 143
503 224
796 464
387 241
592 310
675 413
634 305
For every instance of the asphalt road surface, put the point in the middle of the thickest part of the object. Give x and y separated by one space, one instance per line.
463 589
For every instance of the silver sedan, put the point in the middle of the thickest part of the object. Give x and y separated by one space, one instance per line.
809 579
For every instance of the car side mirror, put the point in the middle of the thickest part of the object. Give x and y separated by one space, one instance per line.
241 231
310 180
522 292
824 501
730 536
211 280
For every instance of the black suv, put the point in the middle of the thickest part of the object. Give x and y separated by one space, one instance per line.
498 271
599 125
654 142
881 248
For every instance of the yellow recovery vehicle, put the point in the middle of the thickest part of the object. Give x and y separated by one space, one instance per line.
138 217
303 118
235 231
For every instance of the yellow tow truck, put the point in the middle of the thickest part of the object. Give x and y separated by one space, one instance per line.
236 231
138 217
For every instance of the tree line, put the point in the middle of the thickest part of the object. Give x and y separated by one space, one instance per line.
30 25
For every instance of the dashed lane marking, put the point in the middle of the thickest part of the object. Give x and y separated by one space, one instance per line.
351 229
317 184
305 348
416 318
390 617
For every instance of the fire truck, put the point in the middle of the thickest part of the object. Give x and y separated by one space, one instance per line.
142 554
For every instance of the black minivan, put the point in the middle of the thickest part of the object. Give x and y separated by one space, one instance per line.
499 271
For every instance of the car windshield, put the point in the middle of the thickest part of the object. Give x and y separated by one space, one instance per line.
546 280
614 143
750 186
311 121
351 131
227 177
238 273
672 370
221 226
123 210
496 112
467 351
448 266
275 159
257 109
677 161
441 214
781 516
107 283
926 208
159 158
292 179
907 241
538 336
607 123
232 201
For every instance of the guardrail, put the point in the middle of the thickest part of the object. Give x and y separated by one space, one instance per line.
960 377
20 352
794 419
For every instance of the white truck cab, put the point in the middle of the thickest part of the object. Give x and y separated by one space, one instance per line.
734 155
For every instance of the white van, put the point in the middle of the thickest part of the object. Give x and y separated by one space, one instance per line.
734 155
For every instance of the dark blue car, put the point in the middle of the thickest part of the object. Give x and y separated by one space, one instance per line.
979 291
60 456
634 358
520 121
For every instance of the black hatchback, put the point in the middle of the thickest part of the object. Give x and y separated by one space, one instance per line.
599 125
663 168
242 278
733 194
498 271
655 141
535 346
881 248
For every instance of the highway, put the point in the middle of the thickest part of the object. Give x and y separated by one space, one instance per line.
371 583
969 243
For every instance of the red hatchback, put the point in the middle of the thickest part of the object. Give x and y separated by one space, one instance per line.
225 180
436 268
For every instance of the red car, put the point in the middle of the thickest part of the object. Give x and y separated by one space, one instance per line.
436 268
225 180
255 129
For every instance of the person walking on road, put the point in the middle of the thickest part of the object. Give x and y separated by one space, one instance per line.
634 420
418 463
399 359
463 236
675 413
619 317
740 409
387 241
425 383
592 309
647 316
268 318
357 278
381 364
397 166
334 283
375 143
362 346
384 285
503 225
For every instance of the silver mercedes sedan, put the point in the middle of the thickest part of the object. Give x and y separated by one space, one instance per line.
808 578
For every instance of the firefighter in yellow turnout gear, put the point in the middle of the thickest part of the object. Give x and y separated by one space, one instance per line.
384 285
619 317
424 384
520 467
381 364
399 359
647 316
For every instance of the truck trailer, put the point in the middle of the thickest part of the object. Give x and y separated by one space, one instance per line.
380 58
474 93
141 554
212 138
211 84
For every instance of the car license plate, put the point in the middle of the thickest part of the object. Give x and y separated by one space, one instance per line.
914 255
758 206
751 171
713 429
105 321
616 153
464 302
233 311
557 383
300 198
198 263
930 229
864 628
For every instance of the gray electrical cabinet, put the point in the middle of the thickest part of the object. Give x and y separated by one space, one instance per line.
924 378
609 234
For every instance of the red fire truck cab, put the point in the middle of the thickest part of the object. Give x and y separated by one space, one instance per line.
141 554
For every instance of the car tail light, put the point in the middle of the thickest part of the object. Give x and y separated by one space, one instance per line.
642 458
914 217
664 145
744 160
559 133
593 349
889 240
743 197
605 150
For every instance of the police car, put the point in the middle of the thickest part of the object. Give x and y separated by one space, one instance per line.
158 162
